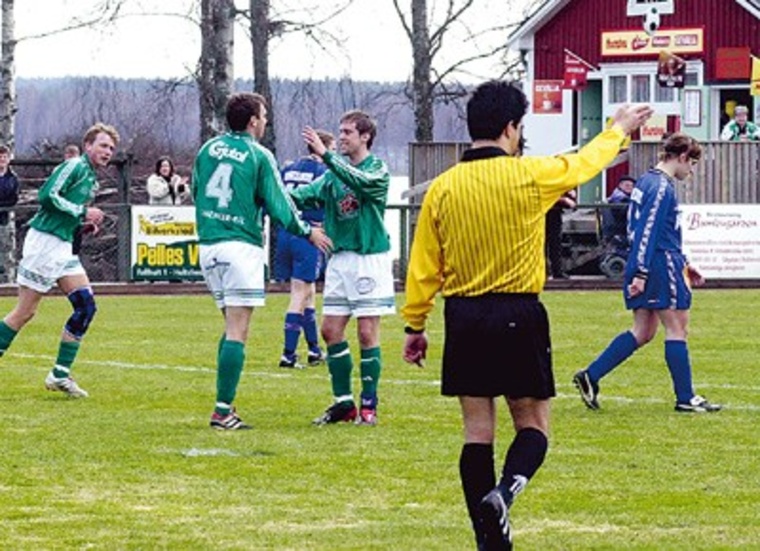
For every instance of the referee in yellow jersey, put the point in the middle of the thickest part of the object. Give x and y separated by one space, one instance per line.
480 242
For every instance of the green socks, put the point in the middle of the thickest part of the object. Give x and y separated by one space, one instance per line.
370 371
67 352
340 366
6 337
229 367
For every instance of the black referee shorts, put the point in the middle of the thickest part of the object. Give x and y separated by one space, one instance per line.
497 345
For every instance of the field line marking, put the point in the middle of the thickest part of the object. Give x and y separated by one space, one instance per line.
386 380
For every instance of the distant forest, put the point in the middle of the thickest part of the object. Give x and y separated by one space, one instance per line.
156 117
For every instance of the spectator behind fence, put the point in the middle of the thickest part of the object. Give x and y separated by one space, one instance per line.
71 151
553 245
615 218
165 187
8 184
740 129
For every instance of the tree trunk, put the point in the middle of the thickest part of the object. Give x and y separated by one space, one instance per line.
422 88
215 82
260 33
7 76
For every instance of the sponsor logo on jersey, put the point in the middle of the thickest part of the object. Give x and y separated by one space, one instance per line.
220 150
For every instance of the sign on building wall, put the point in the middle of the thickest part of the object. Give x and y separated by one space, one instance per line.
654 129
547 97
732 63
632 43
164 243
723 241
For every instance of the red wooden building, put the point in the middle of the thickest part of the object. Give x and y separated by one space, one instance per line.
714 37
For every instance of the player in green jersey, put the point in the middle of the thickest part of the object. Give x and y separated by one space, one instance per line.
234 179
48 259
359 277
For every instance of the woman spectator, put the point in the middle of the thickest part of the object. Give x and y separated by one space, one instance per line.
164 186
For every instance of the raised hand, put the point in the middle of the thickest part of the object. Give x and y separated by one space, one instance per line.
632 117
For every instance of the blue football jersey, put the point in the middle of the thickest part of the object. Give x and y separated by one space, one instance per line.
300 173
654 221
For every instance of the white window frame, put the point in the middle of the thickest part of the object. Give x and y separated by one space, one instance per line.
648 67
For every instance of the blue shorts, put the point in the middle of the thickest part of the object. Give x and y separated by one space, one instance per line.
667 286
296 258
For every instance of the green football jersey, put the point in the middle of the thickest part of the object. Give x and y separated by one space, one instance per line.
234 180
354 199
63 197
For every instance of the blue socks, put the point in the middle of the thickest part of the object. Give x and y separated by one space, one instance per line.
293 322
619 350
309 324
677 357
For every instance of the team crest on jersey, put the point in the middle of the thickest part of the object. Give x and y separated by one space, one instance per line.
348 206
365 285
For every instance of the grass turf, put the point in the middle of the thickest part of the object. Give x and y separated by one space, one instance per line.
136 466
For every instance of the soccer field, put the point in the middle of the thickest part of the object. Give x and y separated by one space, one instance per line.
135 466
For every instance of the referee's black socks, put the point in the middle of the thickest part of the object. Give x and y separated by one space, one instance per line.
524 457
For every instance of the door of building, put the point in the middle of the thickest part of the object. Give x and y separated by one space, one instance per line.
590 124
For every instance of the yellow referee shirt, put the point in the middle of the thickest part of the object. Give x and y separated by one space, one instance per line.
481 227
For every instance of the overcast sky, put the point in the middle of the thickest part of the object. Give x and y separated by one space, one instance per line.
375 46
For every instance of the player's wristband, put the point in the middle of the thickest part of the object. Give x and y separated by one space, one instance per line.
411 331
641 275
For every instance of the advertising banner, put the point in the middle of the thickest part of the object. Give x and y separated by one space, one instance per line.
575 72
547 97
754 85
164 244
654 129
677 41
671 70
723 241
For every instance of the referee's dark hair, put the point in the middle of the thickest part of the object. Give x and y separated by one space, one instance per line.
492 106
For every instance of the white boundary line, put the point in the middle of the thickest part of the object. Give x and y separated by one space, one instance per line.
313 373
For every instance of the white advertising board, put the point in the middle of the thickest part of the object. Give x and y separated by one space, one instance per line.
723 241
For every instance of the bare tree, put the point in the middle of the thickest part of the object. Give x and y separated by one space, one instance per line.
261 31
7 78
266 24
102 12
430 83
216 75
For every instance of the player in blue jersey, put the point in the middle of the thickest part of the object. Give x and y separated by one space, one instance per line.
300 262
658 279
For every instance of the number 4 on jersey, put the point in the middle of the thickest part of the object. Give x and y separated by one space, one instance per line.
218 186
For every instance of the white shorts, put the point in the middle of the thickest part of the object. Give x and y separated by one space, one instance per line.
234 273
359 285
45 259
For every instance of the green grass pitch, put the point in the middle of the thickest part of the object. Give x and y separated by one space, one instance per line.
136 466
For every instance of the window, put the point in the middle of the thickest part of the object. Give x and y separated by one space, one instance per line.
663 94
640 88
618 89
692 79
